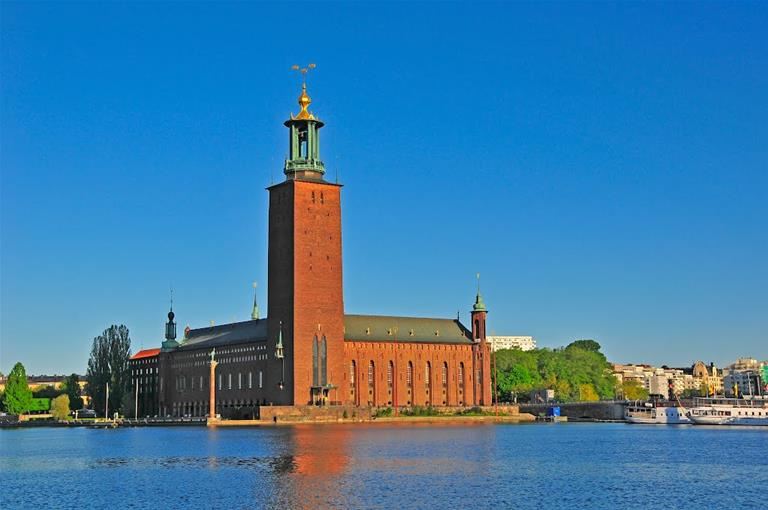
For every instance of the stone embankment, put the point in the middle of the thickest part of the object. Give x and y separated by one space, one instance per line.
587 411
289 415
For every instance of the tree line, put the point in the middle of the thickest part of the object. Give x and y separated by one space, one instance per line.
577 372
107 366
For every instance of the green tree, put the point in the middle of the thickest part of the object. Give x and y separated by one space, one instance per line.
73 391
108 364
585 345
633 390
47 391
60 407
18 396
587 393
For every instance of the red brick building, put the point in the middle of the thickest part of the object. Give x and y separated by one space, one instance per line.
307 350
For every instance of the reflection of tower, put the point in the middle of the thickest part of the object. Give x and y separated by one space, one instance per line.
305 279
481 357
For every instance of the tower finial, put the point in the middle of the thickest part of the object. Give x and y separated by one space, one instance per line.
255 311
304 99
479 304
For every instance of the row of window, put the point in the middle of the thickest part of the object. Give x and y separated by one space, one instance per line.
408 374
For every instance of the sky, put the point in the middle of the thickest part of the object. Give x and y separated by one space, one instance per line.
603 166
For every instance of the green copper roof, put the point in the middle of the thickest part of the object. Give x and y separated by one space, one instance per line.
378 328
479 304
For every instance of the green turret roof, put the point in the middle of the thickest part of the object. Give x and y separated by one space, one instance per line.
479 304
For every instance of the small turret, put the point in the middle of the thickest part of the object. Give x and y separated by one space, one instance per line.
170 331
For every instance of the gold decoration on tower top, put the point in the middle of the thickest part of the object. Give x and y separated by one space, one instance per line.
304 99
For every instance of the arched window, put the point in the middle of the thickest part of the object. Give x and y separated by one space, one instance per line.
352 379
390 376
371 383
428 377
444 381
444 376
315 371
409 376
323 362
461 377
477 329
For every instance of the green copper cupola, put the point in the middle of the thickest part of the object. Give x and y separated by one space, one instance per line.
303 160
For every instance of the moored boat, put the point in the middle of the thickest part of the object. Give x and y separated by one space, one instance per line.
655 414
729 411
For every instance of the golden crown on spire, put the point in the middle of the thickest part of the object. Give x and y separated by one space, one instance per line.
304 99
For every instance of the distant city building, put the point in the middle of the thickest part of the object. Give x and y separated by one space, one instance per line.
746 376
668 382
524 343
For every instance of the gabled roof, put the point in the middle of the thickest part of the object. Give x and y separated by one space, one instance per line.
225 334
382 328
146 353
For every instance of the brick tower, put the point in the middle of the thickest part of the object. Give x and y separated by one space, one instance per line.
305 279
481 352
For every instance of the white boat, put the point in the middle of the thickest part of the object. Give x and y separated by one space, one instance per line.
729 411
653 414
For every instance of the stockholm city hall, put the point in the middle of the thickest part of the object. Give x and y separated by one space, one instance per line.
307 351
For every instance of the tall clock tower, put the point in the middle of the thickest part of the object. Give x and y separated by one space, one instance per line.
306 304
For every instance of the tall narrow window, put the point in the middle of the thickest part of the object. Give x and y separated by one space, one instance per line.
315 370
229 381
352 378
390 375
324 362
239 381
371 383
201 382
444 379
250 380
428 377
409 376
461 377
261 379
219 381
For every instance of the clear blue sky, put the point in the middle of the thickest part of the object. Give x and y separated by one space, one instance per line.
604 166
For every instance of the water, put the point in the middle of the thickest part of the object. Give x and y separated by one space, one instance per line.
387 466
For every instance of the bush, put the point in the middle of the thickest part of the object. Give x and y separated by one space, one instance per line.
420 411
382 412
60 407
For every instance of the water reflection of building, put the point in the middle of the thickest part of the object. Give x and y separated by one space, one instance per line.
311 462
308 351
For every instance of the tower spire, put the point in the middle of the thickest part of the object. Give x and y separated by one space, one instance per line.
170 329
255 311
303 160
479 303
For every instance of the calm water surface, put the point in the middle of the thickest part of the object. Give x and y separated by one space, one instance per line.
387 466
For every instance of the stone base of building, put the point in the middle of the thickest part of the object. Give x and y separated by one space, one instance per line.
294 414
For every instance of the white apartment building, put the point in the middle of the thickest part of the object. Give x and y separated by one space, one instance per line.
524 343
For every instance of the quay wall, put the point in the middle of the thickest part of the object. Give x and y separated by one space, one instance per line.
611 411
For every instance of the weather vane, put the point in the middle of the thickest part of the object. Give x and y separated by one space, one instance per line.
303 71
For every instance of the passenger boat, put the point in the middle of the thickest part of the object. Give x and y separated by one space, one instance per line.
650 413
729 411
